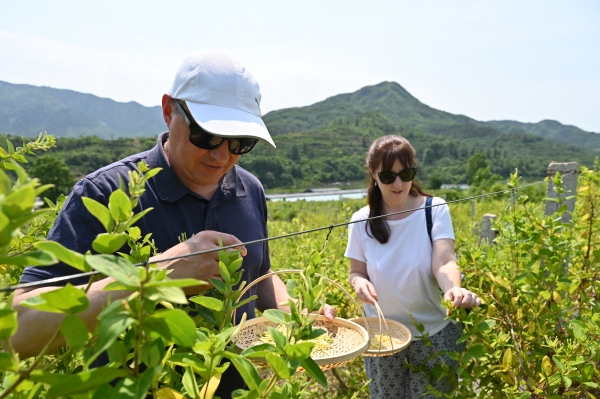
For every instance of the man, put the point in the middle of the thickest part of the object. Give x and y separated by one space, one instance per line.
212 113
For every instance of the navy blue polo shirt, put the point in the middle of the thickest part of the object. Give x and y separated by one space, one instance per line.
238 208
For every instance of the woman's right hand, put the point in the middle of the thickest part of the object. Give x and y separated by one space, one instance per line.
365 291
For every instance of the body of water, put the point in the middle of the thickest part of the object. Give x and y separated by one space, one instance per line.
333 196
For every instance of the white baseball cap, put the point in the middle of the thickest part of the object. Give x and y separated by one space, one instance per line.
221 94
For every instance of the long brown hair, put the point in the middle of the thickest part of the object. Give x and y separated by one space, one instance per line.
384 152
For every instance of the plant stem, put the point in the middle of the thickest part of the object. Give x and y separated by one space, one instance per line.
23 375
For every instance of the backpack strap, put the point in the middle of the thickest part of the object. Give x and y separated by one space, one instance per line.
428 217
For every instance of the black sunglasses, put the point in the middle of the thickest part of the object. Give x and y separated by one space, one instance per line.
203 139
406 175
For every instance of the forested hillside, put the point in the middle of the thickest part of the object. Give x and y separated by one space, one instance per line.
336 152
326 142
28 110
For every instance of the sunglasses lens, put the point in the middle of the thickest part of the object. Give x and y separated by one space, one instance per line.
243 145
203 139
387 177
407 174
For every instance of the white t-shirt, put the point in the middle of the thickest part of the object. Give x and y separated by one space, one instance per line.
400 269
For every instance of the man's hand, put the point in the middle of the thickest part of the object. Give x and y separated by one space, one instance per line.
200 267
329 312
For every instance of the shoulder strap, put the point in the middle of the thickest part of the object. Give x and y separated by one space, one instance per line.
428 217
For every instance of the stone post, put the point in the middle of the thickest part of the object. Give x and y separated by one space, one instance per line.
487 234
570 174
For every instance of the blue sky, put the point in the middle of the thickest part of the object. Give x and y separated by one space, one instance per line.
488 59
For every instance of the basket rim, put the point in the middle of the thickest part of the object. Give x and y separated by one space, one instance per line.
379 352
325 361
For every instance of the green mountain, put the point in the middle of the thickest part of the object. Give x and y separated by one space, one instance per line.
393 101
316 145
28 110
551 130
336 152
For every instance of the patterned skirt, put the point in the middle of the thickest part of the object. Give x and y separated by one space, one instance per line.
391 376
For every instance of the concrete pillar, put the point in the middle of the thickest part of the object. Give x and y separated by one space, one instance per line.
570 173
487 235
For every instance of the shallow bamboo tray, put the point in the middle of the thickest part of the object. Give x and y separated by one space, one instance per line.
350 340
394 328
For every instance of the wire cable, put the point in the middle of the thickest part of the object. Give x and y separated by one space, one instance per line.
53 281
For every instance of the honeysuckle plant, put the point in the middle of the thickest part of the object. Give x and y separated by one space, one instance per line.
152 341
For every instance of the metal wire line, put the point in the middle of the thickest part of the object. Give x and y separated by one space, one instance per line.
53 281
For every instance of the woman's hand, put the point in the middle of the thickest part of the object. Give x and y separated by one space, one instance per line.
364 290
462 298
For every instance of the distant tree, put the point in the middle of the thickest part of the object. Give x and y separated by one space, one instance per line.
52 170
476 161
435 182
294 153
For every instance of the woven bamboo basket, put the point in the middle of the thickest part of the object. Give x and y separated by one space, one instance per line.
378 327
350 339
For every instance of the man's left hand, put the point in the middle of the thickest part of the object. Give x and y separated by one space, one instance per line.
329 312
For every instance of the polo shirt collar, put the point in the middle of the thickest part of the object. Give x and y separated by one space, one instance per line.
171 189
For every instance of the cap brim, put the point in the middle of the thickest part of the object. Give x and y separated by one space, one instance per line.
229 122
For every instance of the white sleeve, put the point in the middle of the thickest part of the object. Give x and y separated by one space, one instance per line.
442 222
354 249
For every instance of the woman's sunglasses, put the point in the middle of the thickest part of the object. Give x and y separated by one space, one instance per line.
203 139
406 175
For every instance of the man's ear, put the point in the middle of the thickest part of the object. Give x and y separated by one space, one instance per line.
167 109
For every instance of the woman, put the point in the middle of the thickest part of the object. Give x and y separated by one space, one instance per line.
393 261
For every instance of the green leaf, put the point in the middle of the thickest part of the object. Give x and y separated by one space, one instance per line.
190 385
314 370
114 266
68 385
279 338
169 294
485 325
108 243
37 258
135 388
259 350
219 285
235 265
19 202
5 182
119 206
180 282
247 371
507 359
315 259
223 257
224 273
275 315
68 299
8 322
579 330
278 365
7 362
114 320
75 332
545 295
71 258
208 302
477 351
137 217
174 325
100 212
290 286
300 350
